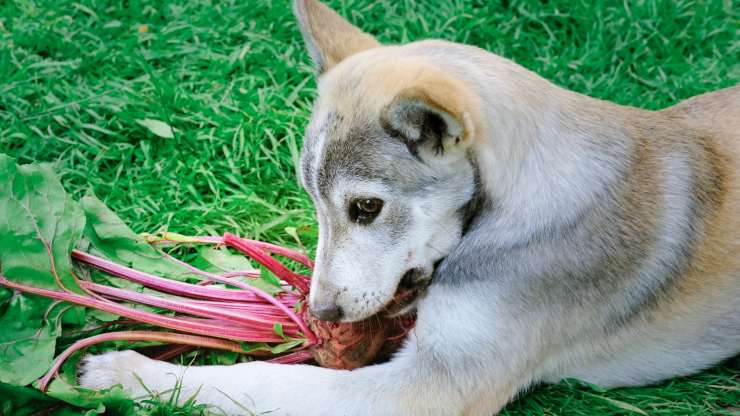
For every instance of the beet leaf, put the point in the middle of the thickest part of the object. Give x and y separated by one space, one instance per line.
39 226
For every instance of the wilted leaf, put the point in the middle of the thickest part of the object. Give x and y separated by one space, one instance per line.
157 127
286 346
224 261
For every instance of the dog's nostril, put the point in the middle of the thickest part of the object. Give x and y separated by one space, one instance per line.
329 313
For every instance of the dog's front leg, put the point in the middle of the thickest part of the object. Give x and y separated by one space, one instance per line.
446 368
249 388
398 387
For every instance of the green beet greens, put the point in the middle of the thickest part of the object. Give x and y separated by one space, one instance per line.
72 271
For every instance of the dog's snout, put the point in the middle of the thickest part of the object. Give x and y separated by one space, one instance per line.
327 312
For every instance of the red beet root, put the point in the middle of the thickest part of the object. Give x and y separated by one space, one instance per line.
348 345
351 345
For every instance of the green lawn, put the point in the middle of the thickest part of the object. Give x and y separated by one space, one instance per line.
231 77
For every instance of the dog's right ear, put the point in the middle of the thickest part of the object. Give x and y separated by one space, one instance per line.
329 37
434 116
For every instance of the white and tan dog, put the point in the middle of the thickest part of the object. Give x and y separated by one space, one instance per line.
563 236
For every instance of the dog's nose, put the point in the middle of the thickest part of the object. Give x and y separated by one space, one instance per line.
327 312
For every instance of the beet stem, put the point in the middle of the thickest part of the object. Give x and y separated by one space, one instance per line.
269 247
181 307
166 337
292 358
262 294
178 324
282 272
164 285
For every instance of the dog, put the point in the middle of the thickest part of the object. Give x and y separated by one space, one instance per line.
548 235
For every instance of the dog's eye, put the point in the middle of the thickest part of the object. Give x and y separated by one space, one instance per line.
364 210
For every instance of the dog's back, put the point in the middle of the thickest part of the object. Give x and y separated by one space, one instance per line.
717 112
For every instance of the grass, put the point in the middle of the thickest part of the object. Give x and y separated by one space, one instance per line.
232 79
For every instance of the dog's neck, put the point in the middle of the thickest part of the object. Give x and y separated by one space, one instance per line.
546 153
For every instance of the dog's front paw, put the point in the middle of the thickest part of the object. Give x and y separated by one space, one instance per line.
107 370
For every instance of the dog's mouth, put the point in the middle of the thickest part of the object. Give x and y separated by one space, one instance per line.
412 286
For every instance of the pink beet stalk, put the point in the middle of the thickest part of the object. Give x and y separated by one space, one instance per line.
242 317
178 324
166 337
164 285
186 289
281 251
295 279
268 247
262 294
261 308
293 358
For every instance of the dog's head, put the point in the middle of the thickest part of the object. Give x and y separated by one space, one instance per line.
386 160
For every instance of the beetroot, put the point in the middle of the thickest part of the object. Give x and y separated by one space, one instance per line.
352 345
348 345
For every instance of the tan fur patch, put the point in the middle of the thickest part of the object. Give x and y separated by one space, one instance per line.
363 86
715 274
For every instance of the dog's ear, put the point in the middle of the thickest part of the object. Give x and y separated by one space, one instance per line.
431 118
329 38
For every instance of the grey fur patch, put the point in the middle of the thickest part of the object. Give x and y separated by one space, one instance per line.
365 151
607 257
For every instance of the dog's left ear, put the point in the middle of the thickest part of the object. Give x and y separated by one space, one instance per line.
432 117
329 37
